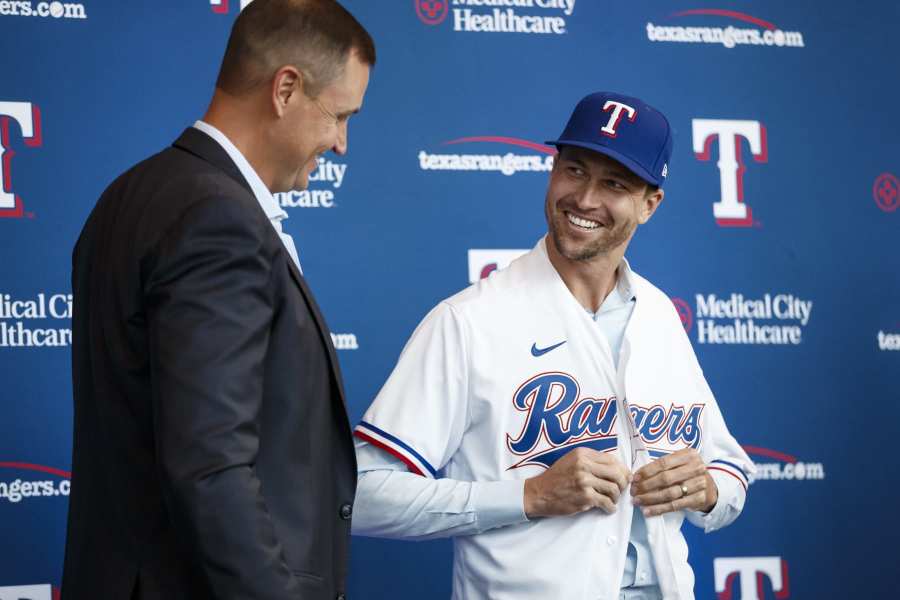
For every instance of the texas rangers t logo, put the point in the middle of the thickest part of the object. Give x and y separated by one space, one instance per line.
730 210
750 571
617 109
28 116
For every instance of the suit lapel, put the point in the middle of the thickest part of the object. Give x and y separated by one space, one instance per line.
201 145
323 328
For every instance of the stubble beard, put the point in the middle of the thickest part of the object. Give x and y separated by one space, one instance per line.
602 245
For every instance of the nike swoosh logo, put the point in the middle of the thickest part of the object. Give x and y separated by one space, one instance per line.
535 351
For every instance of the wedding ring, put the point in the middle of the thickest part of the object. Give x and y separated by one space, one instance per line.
684 490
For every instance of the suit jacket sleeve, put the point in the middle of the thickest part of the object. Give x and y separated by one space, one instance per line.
209 306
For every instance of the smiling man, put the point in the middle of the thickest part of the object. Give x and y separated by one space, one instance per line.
561 399
213 456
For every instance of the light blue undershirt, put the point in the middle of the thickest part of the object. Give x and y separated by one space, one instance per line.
612 318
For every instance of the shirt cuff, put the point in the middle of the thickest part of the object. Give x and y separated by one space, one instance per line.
728 506
499 503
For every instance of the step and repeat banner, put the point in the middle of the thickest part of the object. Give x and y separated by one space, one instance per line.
777 240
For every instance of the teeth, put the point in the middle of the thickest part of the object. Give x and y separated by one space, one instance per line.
582 222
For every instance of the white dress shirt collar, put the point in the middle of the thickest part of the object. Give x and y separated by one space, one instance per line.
263 195
265 198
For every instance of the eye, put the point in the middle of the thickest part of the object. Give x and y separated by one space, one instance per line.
616 185
575 171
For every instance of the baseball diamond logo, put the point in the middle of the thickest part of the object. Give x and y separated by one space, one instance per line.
752 572
29 592
731 210
28 117
432 12
886 192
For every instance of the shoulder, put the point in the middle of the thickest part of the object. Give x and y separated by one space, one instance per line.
500 290
656 307
174 187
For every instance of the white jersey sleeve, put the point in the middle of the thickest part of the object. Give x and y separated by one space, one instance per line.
391 502
726 462
422 411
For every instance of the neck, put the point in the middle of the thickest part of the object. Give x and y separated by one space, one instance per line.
590 281
238 119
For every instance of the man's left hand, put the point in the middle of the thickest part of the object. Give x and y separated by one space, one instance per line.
675 482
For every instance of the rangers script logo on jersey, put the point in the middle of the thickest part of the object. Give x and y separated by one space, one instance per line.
558 419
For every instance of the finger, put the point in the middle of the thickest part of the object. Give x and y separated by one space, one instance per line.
607 488
664 479
612 469
604 503
673 492
587 483
665 463
690 502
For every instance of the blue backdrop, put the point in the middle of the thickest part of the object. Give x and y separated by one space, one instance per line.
447 157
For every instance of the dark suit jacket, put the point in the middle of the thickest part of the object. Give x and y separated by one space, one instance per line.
212 453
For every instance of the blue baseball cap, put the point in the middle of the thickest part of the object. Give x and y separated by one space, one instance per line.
625 129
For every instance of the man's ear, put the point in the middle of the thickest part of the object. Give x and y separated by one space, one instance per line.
286 84
649 204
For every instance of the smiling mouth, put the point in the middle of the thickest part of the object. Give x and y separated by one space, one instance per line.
582 223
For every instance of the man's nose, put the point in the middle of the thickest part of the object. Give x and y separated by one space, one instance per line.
340 144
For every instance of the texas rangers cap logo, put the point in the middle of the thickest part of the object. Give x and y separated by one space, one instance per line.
624 128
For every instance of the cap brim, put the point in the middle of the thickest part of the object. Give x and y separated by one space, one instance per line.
630 164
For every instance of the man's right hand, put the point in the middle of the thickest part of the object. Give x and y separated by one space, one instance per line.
581 480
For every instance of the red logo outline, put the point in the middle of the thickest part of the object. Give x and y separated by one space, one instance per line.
886 191
32 142
684 313
428 11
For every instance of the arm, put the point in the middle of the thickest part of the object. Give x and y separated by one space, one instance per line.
208 308
710 485
727 465
394 503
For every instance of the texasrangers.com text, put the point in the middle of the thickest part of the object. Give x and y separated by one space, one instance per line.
728 36
55 10
508 164
17 490
798 471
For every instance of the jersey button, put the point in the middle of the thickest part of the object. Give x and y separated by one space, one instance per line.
340 597
611 540
346 511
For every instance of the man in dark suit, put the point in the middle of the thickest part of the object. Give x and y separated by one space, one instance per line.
212 453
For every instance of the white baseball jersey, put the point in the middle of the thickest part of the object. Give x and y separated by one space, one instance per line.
501 380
